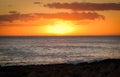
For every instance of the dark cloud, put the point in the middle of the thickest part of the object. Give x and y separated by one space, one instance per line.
85 6
13 12
37 2
13 16
74 16
16 16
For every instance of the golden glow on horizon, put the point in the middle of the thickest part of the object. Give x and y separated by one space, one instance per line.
60 28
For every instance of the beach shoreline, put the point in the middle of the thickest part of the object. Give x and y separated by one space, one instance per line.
103 68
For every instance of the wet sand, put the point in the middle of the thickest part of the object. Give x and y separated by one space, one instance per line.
105 68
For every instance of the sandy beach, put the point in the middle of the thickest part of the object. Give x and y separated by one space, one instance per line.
105 68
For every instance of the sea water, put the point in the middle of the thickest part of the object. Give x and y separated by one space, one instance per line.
52 50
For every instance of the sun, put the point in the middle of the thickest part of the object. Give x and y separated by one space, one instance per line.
60 28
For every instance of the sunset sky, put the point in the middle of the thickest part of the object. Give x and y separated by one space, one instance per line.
59 17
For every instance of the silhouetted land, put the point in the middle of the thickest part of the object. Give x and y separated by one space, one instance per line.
105 68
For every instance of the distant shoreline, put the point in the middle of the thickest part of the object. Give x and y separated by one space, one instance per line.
104 68
65 63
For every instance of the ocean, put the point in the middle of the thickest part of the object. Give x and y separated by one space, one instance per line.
38 50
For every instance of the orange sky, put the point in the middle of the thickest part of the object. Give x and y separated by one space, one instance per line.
64 18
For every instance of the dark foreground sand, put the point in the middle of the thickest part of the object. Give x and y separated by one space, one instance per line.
105 68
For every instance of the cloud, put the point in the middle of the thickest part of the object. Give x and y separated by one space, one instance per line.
74 16
85 6
13 12
37 2
13 16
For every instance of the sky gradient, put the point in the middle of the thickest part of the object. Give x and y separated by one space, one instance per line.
59 18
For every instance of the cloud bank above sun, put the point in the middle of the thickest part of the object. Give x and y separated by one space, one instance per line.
79 11
13 16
